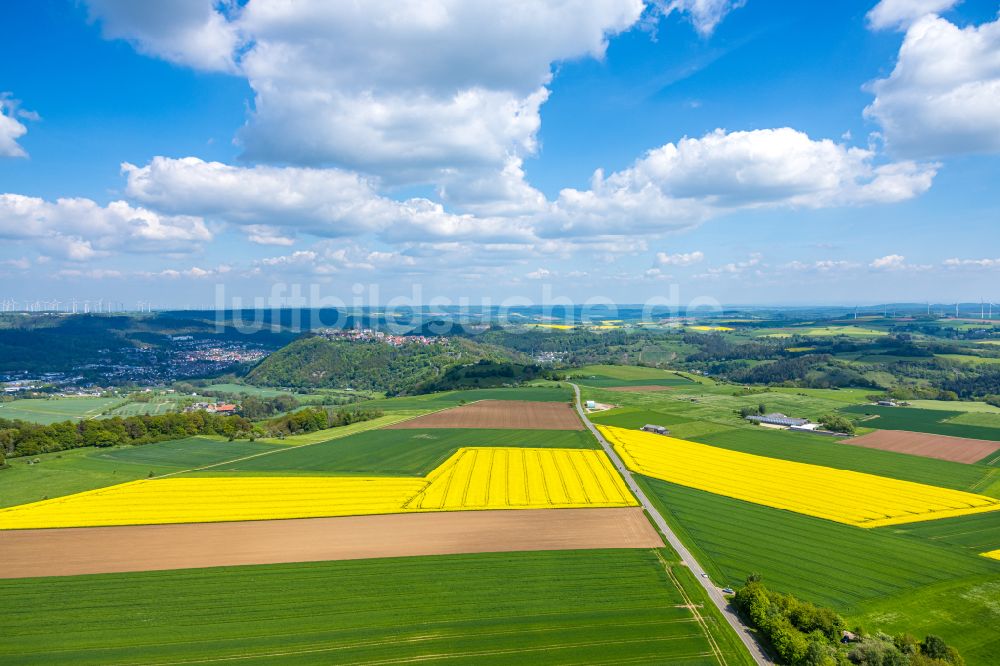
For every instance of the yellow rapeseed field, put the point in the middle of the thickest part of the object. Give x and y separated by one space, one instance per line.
993 554
855 498
473 478
514 478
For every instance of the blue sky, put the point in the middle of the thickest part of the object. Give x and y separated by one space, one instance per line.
749 152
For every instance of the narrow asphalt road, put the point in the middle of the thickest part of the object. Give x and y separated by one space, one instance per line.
687 558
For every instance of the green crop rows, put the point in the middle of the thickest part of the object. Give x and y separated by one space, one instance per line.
67 472
979 533
567 607
825 562
397 452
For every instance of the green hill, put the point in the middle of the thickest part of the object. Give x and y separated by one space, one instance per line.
318 362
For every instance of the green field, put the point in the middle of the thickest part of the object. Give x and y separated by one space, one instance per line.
625 372
934 421
612 606
153 408
623 375
979 533
921 578
398 452
327 434
721 403
819 560
969 358
246 389
53 410
980 419
829 452
76 470
955 406
962 611
633 417
547 393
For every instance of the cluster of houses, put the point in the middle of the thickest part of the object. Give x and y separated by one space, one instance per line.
212 408
371 335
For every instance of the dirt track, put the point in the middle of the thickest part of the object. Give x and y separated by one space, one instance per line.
504 414
943 447
87 550
639 389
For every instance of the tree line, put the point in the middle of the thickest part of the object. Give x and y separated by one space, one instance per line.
803 634
22 438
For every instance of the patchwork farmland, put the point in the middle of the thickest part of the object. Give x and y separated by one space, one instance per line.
843 496
439 480
501 414
196 545
430 493
942 447
608 606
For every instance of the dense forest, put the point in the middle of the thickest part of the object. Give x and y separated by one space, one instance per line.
487 374
317 362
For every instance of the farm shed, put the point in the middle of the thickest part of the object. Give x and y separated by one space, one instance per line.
778 419
656 429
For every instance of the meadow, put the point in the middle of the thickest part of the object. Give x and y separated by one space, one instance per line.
979 419
53 410
153 407
622 375
969 358
77 470
247 389
963 610
934 421
398 452
610 606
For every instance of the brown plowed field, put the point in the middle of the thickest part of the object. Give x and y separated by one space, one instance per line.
943 447
88 550
505 414
636 389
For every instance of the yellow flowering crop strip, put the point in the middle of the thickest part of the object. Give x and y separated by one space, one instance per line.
473 478
516 478
993 554
854 498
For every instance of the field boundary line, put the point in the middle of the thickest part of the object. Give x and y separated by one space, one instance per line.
692 607
273 451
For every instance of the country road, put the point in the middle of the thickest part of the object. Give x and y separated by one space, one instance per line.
687 558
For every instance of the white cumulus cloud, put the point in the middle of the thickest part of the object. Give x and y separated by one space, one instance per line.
705 15
681 184
273 202
943 96
902 13
195 33
80 229
680 259
11 128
